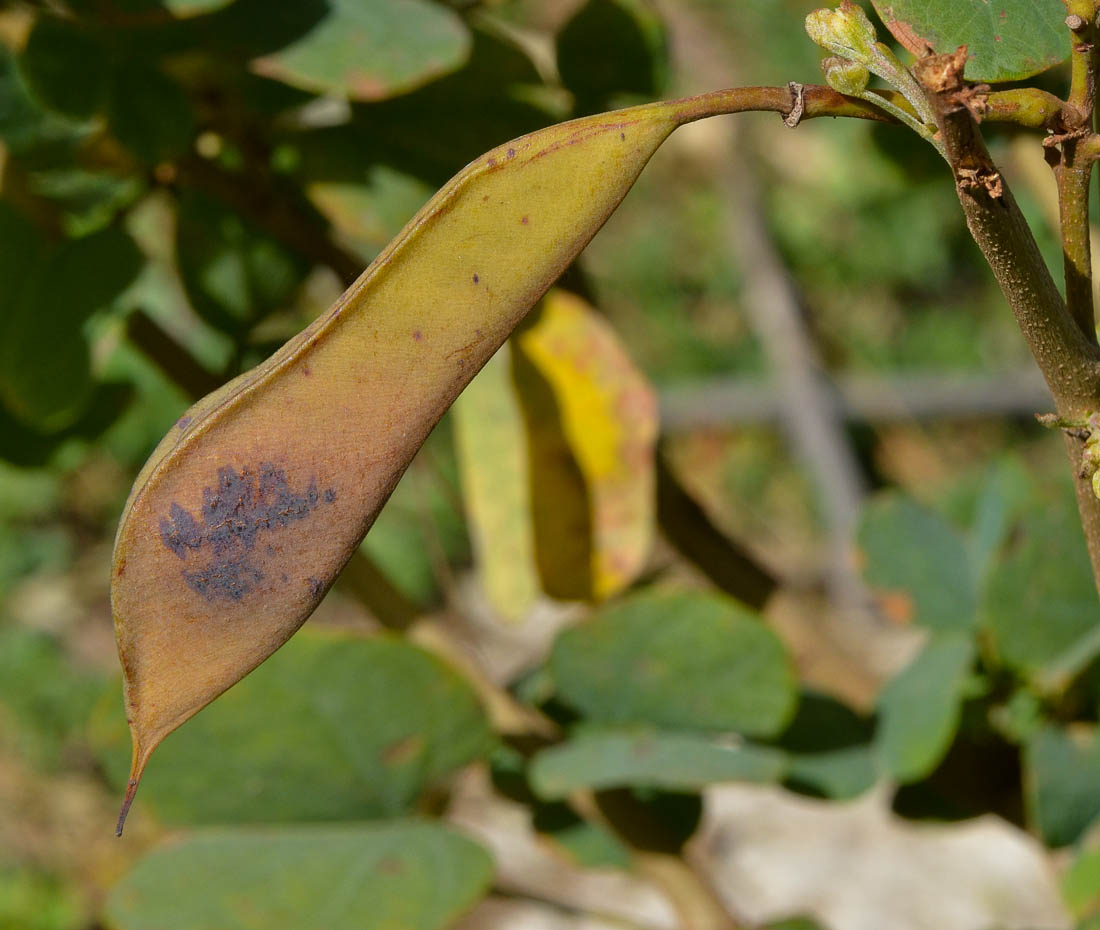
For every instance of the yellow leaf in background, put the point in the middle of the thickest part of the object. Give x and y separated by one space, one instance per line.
492 456
608 419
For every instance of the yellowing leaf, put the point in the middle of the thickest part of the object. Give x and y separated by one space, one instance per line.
608 415
492 455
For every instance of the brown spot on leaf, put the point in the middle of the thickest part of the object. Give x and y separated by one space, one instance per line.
523 220
403 751
897 606
365 86
391 866
417 335
476 279
183 422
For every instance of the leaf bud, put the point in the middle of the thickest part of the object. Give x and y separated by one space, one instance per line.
844 31
844 76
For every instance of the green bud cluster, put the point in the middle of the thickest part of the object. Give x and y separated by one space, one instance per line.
857 54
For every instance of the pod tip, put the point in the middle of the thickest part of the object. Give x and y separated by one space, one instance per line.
131 790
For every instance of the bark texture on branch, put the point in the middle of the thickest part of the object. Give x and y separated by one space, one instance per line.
1068 359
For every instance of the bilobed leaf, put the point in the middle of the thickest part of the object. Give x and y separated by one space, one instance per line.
1007 41
1063 769
45 374
608 421
492 454
250 506
372 49
416 876
333 728
599 758
919 708
686 660
918 564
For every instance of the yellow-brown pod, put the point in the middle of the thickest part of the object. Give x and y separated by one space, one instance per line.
246 512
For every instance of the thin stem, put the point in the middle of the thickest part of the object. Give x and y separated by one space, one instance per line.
815 100
1081 23
1026 106
1074 174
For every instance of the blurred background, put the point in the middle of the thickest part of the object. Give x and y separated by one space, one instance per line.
741 589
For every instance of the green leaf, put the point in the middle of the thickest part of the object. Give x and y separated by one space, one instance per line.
23 122
431 132
639 64
332 727
919 709
491 442
1040 601
369 214
918 563
46 696
829 748
233 272
1007 41
683 660
416 876
1063 771
1005 493
33 900
184 8
421 521
149 113
1081 884
45 375
22 246
147 9
65 67
372 49
840 774
648 759
589 845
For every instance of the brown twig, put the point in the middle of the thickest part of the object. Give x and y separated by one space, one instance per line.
1068 360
